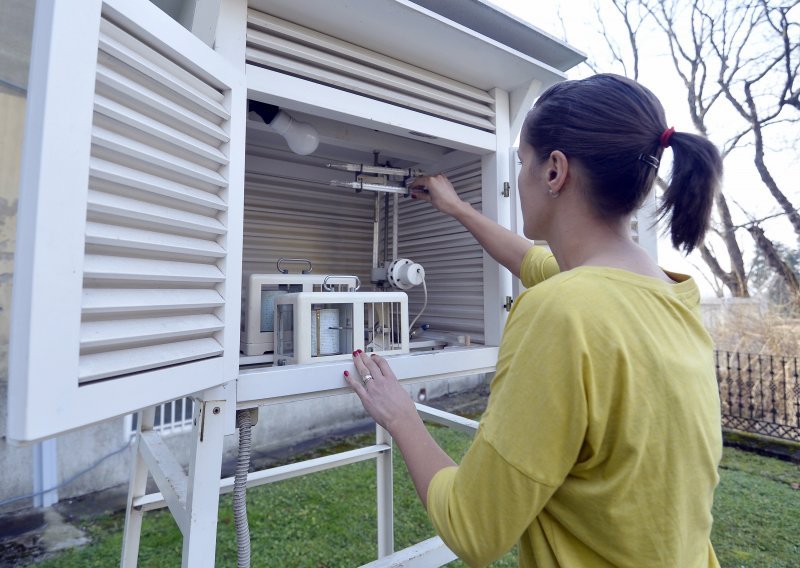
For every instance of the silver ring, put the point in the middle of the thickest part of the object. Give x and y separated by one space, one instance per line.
365 379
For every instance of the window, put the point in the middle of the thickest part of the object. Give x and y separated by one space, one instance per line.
171 417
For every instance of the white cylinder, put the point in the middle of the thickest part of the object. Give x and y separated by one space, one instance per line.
404 274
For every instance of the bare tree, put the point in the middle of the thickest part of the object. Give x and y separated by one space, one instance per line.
742 54
760 83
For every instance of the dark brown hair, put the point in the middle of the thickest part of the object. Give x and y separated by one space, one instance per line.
612 125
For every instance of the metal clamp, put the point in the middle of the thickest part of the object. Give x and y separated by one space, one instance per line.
295 260
329 288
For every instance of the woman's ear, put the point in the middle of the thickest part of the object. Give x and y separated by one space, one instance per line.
557 171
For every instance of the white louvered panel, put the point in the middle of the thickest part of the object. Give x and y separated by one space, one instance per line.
452 258
343 79
176 82
149 127
289 48
332 227
127 90
155 229
263 21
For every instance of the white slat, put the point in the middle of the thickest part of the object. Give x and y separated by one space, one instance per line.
132 180
101 267
139 240
102 365
118 333
124 300
151 214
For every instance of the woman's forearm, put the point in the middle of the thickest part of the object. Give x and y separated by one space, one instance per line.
423 456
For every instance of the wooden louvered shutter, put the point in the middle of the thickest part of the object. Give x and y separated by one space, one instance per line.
286 47
452 258
130 218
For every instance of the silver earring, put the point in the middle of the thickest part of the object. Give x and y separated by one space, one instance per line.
553 194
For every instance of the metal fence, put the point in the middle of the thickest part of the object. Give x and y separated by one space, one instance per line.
759 393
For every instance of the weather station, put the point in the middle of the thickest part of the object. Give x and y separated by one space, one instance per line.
234 220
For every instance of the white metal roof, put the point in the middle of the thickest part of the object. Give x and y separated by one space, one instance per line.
411 32
494 22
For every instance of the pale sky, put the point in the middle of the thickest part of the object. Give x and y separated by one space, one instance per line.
742 183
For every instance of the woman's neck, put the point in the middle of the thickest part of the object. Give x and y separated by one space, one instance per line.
595 242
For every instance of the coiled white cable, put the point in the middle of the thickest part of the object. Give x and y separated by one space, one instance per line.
424 304
244 423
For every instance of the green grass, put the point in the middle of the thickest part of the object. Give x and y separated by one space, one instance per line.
757 512
328 519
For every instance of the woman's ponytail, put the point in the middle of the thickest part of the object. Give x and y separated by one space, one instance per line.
695 179
617 130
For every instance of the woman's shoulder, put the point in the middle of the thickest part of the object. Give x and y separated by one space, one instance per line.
566 290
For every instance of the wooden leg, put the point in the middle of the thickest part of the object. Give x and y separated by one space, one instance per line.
202 499
137 488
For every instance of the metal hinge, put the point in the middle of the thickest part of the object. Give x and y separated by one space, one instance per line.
506 189
509 301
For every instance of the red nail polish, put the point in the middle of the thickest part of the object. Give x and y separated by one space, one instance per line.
360 351
346 374
356 352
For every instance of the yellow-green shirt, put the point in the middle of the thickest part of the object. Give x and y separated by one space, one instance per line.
601 440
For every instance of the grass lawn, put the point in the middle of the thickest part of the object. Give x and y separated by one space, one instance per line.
327 519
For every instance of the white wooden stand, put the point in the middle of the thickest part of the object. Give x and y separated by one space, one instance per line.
193 499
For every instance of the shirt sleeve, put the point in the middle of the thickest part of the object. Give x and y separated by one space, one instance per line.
481 508
538 265
529 439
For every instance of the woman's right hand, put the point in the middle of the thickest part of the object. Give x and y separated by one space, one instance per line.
441 193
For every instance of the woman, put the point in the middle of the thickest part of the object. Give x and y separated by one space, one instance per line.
601 439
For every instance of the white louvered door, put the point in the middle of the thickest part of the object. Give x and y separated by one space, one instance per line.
129 221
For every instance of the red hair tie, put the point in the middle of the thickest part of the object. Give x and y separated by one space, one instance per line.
663 140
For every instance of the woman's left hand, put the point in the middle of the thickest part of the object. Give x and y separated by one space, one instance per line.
380 392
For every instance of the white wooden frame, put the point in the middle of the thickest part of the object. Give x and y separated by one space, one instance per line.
43 365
